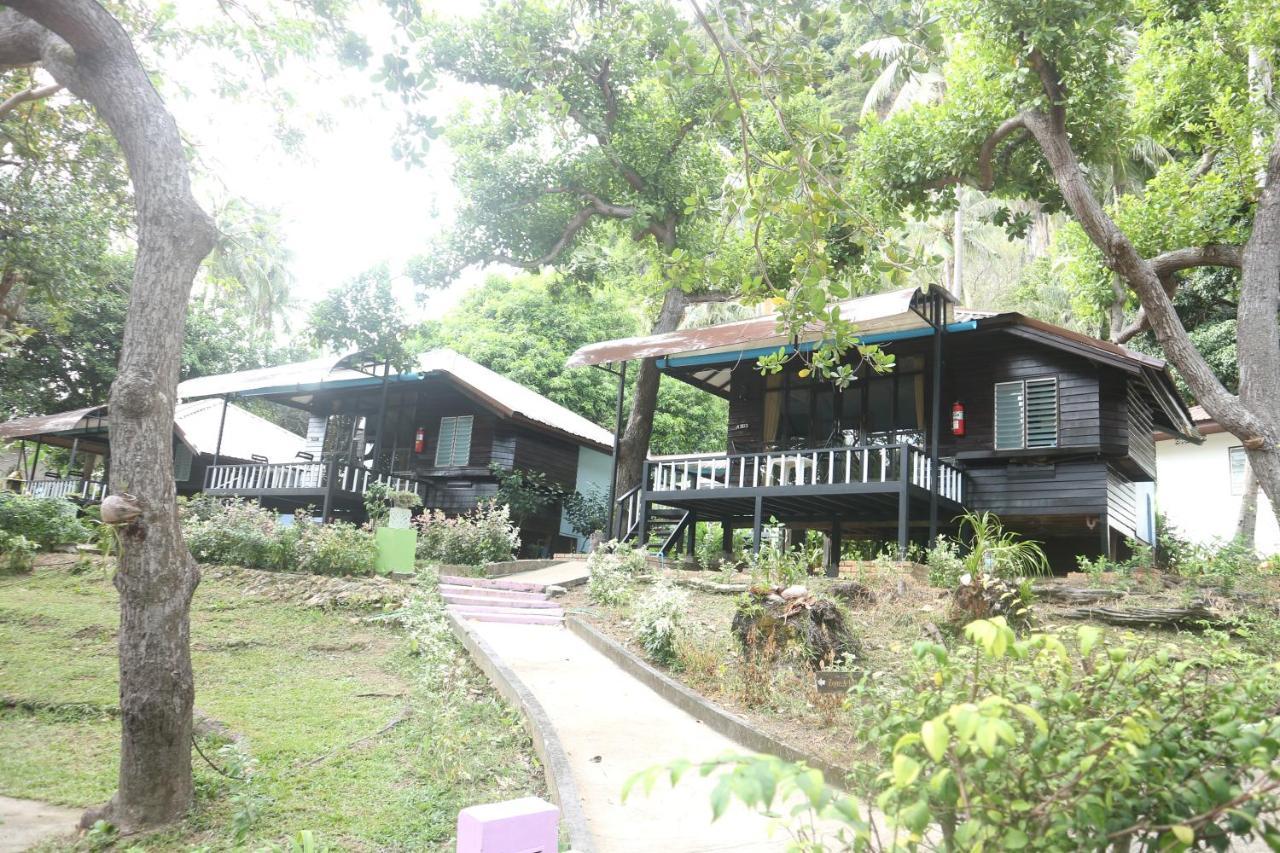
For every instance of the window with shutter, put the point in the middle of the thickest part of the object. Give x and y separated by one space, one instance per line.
1027 414
181 462
1042 412
453 448
1009 416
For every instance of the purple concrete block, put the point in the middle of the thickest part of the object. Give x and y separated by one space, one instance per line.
528 825
496 593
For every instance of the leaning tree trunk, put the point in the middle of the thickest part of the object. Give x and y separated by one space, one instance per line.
87 50
634 446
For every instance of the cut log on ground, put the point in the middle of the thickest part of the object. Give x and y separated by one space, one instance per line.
1194 616
1074 594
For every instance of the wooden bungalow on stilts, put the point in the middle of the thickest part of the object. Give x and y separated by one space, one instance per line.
1048 428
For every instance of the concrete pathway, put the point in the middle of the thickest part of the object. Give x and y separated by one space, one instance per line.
612 726
568 573
26 823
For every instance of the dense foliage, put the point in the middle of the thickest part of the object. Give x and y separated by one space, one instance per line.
657 615
241 533
612 571
47 522
17 552
485 535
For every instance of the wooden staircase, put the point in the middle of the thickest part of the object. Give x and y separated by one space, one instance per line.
497 600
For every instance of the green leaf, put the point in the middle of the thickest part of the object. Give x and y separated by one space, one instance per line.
1088 636
905 770
1184 833
935 736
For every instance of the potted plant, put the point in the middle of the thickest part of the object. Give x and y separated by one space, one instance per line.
402 505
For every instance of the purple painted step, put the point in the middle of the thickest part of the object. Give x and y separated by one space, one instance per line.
506 594
489 601
515 617
492 583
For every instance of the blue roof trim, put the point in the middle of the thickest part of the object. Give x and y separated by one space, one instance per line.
741 355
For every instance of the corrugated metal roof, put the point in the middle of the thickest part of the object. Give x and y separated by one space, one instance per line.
297 373
880 312
40 424
195 423
510 398
244 436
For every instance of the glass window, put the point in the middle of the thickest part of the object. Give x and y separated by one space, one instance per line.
181 462
797 415
1042 412
851 414
1009 416
453 449
1237 461
879 417
824 416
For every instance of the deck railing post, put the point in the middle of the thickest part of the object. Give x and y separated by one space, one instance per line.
904 503
330 482
755 525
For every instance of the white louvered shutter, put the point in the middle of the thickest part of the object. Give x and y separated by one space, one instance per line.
1042 412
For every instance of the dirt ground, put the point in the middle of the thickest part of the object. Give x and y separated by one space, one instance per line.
26 823
788 705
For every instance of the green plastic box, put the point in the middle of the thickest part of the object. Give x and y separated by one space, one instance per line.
396 549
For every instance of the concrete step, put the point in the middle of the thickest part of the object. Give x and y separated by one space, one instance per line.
492 583
506 594
514 617
490 601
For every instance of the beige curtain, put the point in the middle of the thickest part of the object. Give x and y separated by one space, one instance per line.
772 407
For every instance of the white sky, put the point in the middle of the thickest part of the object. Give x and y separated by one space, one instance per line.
346 203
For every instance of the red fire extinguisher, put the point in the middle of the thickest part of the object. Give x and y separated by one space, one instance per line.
419 440
957 418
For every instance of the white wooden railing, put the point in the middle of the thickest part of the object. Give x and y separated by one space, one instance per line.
281 477
862 464
74 487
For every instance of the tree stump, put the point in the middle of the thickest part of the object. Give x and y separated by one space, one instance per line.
771 619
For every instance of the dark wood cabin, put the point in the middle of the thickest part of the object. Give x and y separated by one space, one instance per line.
436 430
1057 436
203 435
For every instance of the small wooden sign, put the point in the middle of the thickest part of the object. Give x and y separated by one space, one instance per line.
834 681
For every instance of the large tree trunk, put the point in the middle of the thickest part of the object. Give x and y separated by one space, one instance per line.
634 447
87 50
1254 415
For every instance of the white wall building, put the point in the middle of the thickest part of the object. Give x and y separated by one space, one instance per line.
1199 488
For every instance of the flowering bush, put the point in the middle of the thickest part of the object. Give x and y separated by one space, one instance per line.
336 548
657 618
48 522
612 567
17 552
485 535
241 533
237 533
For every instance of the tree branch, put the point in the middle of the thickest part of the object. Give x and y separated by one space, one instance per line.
35 93
1166 264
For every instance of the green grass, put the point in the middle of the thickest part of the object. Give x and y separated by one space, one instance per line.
291 685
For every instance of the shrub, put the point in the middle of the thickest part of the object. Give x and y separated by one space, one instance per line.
485 535
1007 744
994 551
48 522
238 533
657 617
1001 741
945 563
612 568
336 548
17 553
587 511
778 567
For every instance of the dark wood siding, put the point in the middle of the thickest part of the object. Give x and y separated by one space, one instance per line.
973 366
1062 488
